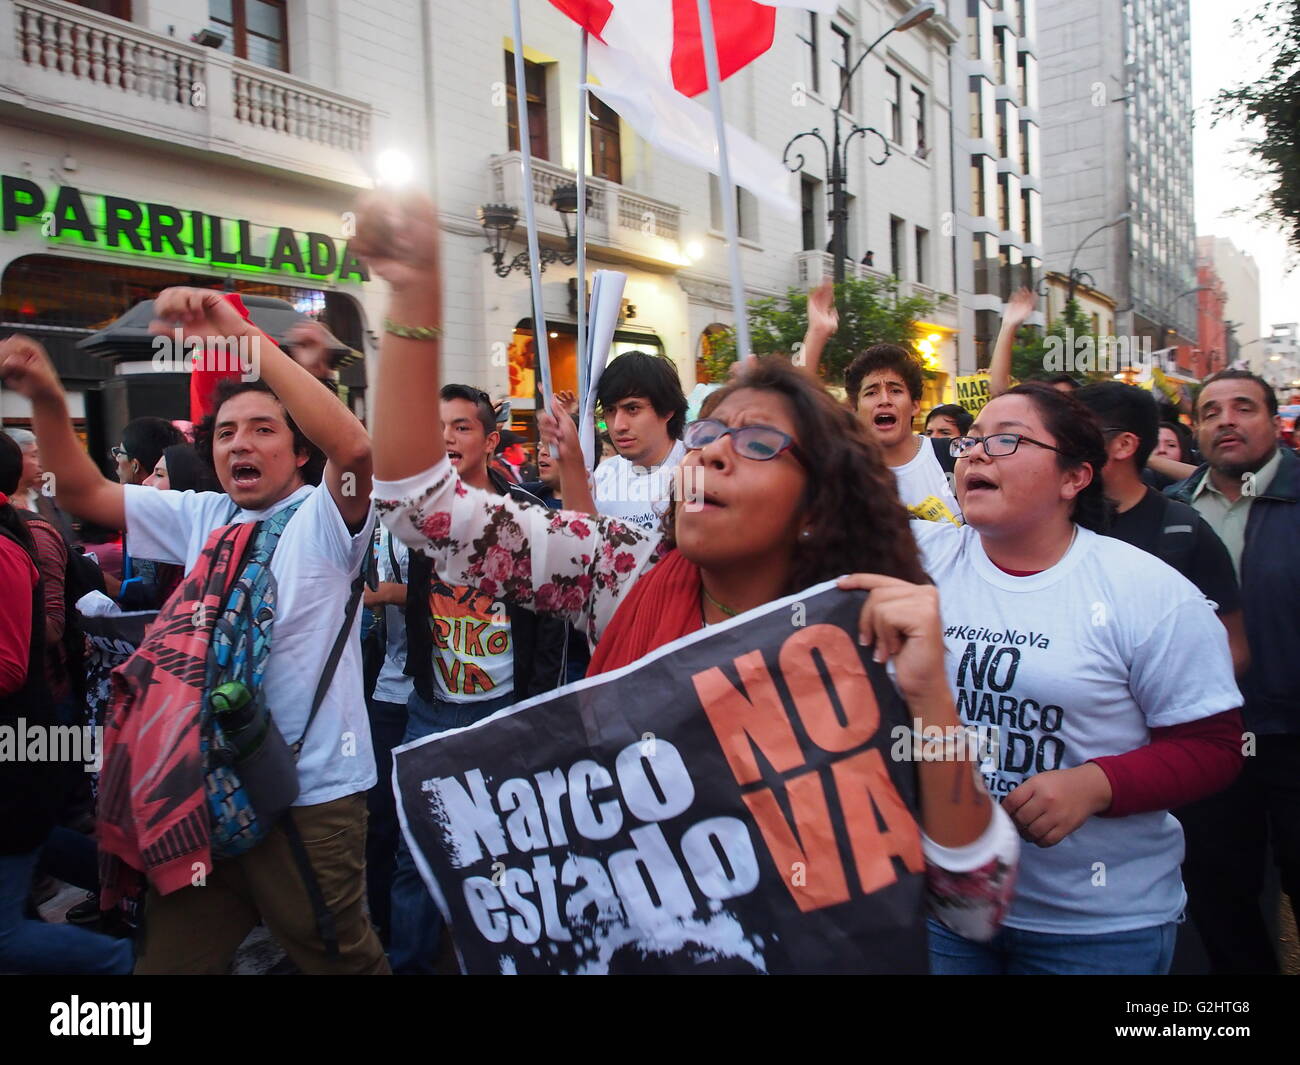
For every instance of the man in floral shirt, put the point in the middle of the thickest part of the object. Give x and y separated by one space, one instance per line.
469 654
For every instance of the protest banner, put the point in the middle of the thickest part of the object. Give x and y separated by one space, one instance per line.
973 392
726 804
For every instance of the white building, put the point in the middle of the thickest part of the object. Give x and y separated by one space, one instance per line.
134 158
1240 275
659 220
135 155
1279 360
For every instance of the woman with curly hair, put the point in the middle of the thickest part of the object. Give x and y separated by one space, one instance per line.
1103 679
782 490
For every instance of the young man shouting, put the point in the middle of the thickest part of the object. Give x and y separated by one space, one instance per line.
269 440
884 386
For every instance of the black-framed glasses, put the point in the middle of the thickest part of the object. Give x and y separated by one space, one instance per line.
118 453
997 446
758 442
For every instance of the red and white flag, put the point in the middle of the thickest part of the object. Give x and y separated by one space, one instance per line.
649 58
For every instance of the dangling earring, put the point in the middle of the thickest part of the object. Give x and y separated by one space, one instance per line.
806 534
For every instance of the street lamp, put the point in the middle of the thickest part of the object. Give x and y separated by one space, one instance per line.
837 152
499 219
1075 276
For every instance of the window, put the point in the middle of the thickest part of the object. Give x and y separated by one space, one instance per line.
922 239
896 239
746 210
918 120
814 58
256 30
535 96
894 105
606 144
809 196
117 8
845 64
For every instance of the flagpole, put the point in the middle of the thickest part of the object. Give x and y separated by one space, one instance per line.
530 215
728 190
584 368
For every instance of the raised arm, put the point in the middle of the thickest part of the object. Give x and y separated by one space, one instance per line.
823 322
398 238
1019 308
324 421
78 485
561 434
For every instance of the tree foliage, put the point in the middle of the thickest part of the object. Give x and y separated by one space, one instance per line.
1272 104
1029 353
871 312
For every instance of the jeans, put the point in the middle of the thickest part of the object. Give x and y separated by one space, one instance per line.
387 727
50 949
416 922
1013 952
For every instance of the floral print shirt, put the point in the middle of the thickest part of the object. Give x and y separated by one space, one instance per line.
578 567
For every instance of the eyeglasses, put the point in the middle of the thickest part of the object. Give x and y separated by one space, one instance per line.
997 446
118 453
757 442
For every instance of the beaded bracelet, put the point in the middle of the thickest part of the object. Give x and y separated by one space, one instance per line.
412 332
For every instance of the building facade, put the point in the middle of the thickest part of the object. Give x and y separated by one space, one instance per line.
1211 353
145 144
1240 275
997 177
659 221
1117 157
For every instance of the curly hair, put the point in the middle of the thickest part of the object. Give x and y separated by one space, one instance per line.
1078 434
884 357
312 471
857 522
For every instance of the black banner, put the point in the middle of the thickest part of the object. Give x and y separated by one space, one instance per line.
110 641
727 804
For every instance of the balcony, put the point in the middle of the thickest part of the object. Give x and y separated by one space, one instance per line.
623 225
78 66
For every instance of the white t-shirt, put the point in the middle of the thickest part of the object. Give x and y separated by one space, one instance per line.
923 486
393 685
313 566
636 493
1077 662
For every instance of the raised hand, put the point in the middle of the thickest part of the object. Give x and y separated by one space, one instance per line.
1020 307
26 368
397 236
198 312
559 432
823 318
566 401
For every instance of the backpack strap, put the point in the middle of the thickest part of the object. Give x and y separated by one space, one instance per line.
336 652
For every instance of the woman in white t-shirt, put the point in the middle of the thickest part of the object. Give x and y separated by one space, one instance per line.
1101 685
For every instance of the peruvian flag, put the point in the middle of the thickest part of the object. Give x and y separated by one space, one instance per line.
649 58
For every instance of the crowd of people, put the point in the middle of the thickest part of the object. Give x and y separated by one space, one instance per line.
1142 575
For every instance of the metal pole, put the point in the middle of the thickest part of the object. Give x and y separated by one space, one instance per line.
530 215
839 208
728 190
584 368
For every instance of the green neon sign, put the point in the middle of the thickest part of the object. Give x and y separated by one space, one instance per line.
157 230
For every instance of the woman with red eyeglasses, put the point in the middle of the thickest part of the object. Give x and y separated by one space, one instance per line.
1103 681
784 492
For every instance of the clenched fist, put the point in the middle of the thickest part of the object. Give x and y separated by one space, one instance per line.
26 368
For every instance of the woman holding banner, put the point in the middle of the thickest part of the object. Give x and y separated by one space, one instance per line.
784 491
1106 679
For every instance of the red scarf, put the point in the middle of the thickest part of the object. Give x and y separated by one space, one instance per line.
662 606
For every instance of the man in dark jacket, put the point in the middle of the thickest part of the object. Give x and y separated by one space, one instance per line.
1249 492
468 654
